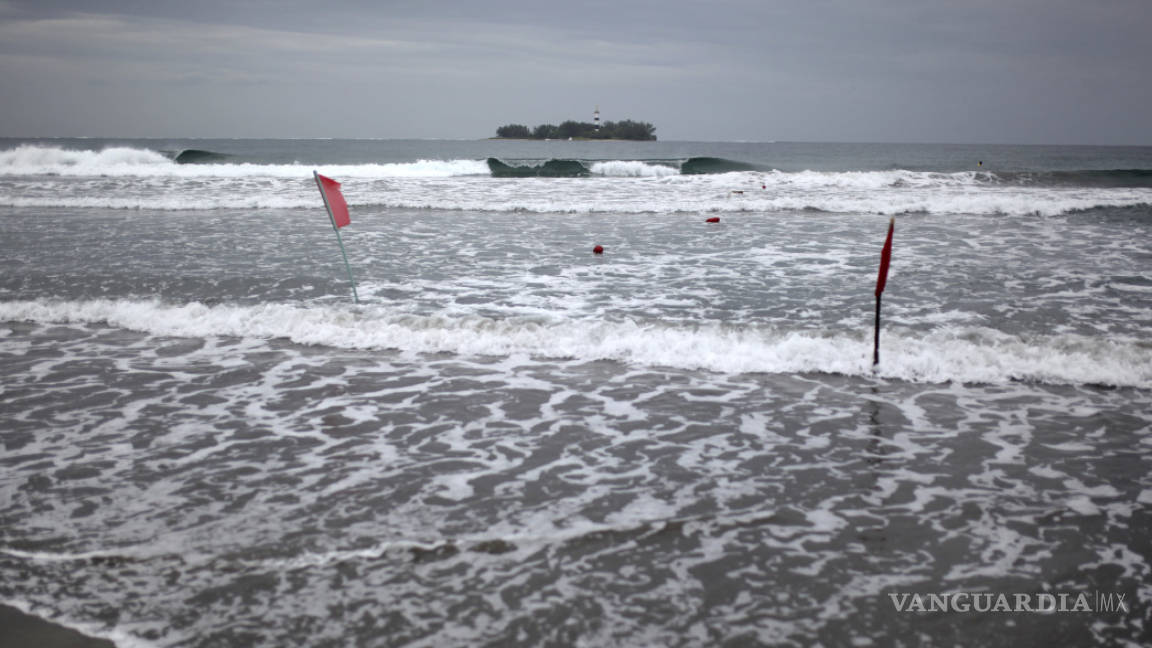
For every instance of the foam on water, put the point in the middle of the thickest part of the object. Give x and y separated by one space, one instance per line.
30 160
967 354
306 478
515 442
632 169
40 160
122 178
1018 205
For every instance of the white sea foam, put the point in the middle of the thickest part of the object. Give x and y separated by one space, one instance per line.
455 199
950 354
164 202
632 169
125 178
869 180
1082 505
29 159
293 189
130 162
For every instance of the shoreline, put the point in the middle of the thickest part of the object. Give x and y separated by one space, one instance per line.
18 629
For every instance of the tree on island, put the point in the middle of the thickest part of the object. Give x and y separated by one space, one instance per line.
632 130
625 129
517 131
545 131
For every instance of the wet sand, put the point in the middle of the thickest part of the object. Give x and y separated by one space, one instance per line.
19 630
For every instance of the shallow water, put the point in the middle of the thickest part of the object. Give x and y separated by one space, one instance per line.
230 489
512 441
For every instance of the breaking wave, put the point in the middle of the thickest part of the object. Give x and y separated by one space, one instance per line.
32 160
196 156
577 168
548 169
622 168
703 165
963 354
42 160
130 178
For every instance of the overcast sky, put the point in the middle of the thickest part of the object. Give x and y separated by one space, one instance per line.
1010 71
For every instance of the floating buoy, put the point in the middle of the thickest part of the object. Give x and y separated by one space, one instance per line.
763 186
598 250
714 219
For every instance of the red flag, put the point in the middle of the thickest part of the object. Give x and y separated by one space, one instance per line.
885 259
337 207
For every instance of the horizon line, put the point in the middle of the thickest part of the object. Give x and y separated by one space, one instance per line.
482 139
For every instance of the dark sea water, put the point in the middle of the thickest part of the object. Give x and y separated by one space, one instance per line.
511 441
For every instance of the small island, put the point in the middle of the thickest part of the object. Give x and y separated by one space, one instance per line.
612 130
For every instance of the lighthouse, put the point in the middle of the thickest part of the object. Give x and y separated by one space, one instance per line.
596 118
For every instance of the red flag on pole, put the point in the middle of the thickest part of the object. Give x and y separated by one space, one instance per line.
338 214
885 258
335 201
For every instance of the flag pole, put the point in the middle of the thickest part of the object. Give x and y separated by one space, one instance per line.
876 343
881 281
332 219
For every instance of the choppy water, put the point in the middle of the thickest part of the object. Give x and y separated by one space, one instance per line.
512 441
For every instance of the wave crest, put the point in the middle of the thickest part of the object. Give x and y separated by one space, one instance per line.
963 354
32 160
28 159
632 169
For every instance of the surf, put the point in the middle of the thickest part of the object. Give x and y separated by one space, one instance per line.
38 160
947 354
575 168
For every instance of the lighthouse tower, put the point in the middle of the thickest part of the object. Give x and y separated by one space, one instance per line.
596 118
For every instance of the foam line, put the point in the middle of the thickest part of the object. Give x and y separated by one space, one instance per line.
966 354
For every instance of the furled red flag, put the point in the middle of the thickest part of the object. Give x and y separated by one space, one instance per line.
885 259
337 207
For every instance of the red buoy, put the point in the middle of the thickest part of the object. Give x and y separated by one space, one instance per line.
714 219
597 250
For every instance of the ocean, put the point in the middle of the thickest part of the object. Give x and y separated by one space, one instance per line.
512 441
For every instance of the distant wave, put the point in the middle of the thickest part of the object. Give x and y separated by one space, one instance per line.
1107 178
634 168
194 163
47 176
49 160
626 168
549 169
34 159
966 354
197 156
700 165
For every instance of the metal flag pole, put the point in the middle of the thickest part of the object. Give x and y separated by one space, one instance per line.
332 219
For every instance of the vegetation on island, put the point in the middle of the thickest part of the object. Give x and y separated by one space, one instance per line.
625 130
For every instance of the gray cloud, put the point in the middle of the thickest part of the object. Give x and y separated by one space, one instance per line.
1028 71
